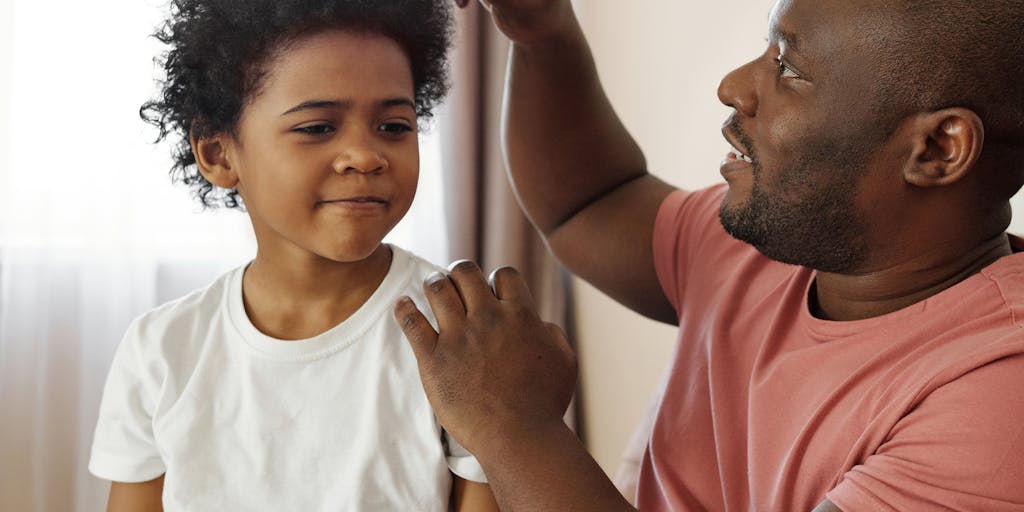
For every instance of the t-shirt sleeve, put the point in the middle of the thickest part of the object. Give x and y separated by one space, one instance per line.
461 462
962 448
123 448
684 221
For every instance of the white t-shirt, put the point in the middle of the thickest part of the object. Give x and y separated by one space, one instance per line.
237 420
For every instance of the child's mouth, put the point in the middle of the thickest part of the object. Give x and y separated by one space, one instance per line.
356 203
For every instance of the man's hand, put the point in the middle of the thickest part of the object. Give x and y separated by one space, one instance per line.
528 21
493 368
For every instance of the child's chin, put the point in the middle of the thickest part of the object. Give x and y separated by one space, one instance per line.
354 253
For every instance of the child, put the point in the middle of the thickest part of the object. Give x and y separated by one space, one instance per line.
286 384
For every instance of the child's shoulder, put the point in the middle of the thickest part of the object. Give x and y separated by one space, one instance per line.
411 270
415 263
187 316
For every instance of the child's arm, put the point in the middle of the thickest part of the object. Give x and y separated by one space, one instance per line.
468 496
138 497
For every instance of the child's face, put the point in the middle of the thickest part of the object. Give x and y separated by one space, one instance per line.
326 153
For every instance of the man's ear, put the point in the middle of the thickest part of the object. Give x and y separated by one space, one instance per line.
214 159
947 144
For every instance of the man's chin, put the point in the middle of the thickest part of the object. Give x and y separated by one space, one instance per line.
825 255
737 197
743 230
737 220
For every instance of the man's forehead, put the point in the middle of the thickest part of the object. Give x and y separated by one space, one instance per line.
821 26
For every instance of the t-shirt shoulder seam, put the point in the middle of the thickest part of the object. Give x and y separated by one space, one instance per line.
1014 317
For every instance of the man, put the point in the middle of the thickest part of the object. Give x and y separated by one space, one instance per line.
855 344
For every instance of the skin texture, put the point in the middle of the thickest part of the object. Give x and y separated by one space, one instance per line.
786 204
136 497
326 158
470 496
889 209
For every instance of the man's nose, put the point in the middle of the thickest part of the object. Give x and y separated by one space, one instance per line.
737 90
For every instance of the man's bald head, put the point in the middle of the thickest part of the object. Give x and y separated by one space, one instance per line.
935 54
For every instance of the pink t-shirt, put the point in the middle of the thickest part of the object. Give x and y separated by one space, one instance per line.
770 408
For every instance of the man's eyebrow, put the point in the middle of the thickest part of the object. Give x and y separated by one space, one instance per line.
343 105
791 41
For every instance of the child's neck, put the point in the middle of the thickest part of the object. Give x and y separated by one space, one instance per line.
293 300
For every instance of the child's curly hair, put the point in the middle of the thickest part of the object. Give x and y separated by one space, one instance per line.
218 54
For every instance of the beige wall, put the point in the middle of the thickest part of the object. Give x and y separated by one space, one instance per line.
660 62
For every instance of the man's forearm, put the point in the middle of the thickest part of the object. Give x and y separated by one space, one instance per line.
549 470
564 143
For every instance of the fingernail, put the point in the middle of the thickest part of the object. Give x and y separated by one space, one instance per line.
434 278
456 263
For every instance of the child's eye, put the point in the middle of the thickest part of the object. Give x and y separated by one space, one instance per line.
315 129
394 128
784 70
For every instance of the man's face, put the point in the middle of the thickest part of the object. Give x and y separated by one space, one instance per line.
805 130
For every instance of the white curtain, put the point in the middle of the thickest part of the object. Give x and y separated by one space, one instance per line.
92 233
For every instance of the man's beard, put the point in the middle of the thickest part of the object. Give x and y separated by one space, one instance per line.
817 224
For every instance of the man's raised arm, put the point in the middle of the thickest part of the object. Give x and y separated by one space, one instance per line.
577 172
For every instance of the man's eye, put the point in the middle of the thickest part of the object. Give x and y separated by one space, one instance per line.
395 128
784 70
315 129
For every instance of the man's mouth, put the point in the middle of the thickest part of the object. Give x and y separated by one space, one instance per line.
737 138
738 155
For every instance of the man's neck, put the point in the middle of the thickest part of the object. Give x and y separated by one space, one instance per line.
894 287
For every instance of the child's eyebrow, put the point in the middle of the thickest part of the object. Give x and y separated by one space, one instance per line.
343 105
398 102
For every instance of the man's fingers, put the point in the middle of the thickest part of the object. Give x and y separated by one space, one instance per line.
417 329
444 300
471 285
508 284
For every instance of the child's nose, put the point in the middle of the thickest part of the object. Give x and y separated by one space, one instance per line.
361 159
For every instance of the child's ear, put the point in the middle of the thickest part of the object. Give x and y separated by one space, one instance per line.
947 145
214 159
